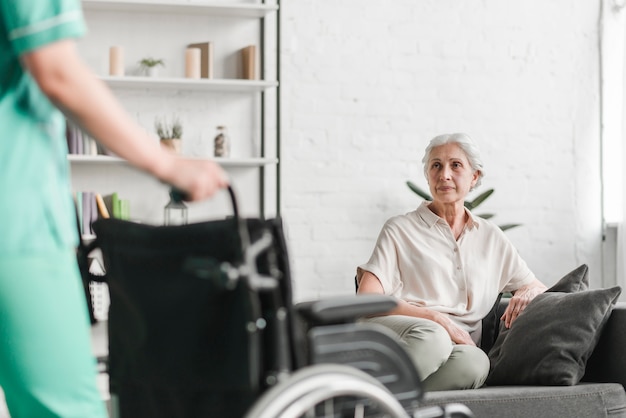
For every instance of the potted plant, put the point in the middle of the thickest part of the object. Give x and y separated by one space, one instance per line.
169 134
149 66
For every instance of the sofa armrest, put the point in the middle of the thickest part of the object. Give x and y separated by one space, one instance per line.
608 363
491 323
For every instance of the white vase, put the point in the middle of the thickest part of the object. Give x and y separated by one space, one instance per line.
152 71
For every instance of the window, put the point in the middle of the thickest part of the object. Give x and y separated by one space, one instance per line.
613 79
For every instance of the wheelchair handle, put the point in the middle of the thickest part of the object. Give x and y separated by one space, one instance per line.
178 196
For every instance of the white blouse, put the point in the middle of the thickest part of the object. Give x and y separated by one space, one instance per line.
417 259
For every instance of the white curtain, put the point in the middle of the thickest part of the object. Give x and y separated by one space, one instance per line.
613 61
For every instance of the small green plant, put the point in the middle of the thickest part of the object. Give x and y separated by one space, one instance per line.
148 66
168 131
150 63
468 204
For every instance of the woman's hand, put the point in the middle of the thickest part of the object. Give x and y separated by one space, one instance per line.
457 335
521 298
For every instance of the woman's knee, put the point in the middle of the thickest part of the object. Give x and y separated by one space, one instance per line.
472 364
429 346
467 368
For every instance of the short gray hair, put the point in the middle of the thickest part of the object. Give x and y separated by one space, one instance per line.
468 146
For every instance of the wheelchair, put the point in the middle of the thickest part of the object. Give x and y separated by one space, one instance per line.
201 324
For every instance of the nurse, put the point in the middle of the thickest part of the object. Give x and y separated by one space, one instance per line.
46 364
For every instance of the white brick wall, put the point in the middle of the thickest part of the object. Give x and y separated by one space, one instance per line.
366 84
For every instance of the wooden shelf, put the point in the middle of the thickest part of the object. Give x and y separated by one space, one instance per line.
244 10
163 83
225 162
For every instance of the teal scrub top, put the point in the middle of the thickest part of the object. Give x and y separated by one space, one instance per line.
36 207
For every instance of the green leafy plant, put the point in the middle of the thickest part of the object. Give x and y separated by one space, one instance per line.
150 63
168 131
471 205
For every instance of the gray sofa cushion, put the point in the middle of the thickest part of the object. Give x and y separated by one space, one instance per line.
607 364
551 341
583 400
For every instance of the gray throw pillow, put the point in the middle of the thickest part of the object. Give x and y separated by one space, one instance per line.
576 280
551 341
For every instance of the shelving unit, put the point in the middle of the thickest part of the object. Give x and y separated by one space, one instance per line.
250 107
224 162
223 9
182 84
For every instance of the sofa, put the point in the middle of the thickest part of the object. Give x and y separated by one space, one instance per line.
600 393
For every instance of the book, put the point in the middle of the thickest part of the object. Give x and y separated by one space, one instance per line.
88 202
206 58
94 146
89 145
78 137
68 136
93 214
78 200
80 142
102 208
117 207
124 209
71 132
112 204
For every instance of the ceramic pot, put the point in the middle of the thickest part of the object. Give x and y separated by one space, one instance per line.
171 144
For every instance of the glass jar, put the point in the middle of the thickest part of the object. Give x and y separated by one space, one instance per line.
221 144
175 212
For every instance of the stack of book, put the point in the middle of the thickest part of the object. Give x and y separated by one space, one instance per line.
91 206
80 143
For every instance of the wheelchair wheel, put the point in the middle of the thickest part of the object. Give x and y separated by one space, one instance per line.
327 390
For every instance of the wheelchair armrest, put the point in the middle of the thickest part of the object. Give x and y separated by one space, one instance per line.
345 308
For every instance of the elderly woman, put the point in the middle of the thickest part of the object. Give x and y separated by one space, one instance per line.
446 268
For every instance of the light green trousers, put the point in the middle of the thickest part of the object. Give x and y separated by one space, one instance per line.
47 368
441 364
